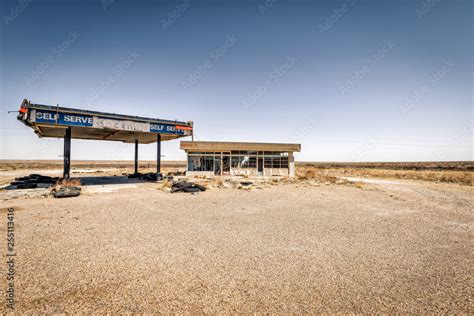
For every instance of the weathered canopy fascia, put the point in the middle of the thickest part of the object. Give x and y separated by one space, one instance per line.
52 121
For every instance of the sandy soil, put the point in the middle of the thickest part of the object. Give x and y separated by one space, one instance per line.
390 247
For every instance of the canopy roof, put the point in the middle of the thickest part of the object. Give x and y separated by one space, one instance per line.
229 146
52 121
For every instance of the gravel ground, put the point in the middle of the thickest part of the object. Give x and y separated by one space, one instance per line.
387 248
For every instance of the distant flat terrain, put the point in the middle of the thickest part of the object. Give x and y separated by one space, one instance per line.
461 172
8 164
423 165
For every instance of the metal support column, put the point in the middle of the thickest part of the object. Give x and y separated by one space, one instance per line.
67 153
158 153
136 156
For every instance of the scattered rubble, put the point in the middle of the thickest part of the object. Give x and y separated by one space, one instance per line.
32 181
23 185
246 183
66 192
188 187
133 175
150 176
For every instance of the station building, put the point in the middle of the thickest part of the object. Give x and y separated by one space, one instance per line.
236 158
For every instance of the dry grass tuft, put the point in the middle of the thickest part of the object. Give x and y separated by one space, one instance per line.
165 184
217 181
314 174
359 185
307 174
205 183
64 183
455 172
332 175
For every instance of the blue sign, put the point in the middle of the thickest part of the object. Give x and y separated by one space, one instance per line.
165 129
68 119
72 119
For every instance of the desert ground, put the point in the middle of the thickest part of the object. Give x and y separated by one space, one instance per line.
335 239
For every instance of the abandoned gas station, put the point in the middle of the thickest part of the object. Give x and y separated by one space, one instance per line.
203 158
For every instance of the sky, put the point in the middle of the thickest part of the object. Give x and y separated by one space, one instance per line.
354 80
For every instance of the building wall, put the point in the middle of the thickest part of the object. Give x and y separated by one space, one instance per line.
276 172
291 165
199 173
243 171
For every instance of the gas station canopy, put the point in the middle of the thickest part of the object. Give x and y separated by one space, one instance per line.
67 123
53 121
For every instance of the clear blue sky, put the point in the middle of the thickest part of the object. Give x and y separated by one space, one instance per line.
354 80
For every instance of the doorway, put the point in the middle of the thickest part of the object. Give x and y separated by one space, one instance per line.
260 166
217 165
226 165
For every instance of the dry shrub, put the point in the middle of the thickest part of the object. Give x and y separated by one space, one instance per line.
165 184
331 179
331 174
466 178
460 177
217 181
64 183
415 166
314 174
175 172
205 183
307 174
359 185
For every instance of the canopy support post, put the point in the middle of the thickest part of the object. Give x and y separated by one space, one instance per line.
67 153
158 153
136 156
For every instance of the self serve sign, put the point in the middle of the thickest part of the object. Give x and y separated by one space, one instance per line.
70 119
63 118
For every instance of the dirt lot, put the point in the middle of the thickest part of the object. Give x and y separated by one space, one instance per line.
383 246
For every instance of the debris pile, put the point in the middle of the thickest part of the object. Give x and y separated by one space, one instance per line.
246 183
32 181
66 192
188 187
151 176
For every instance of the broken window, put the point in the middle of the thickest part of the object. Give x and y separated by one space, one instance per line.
210 161
201 163
244 162
275 162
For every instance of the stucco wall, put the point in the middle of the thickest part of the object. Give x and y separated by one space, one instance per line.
291 165
276 171
242 171
245 171
200 173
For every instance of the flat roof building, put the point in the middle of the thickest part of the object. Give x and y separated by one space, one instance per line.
236 158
